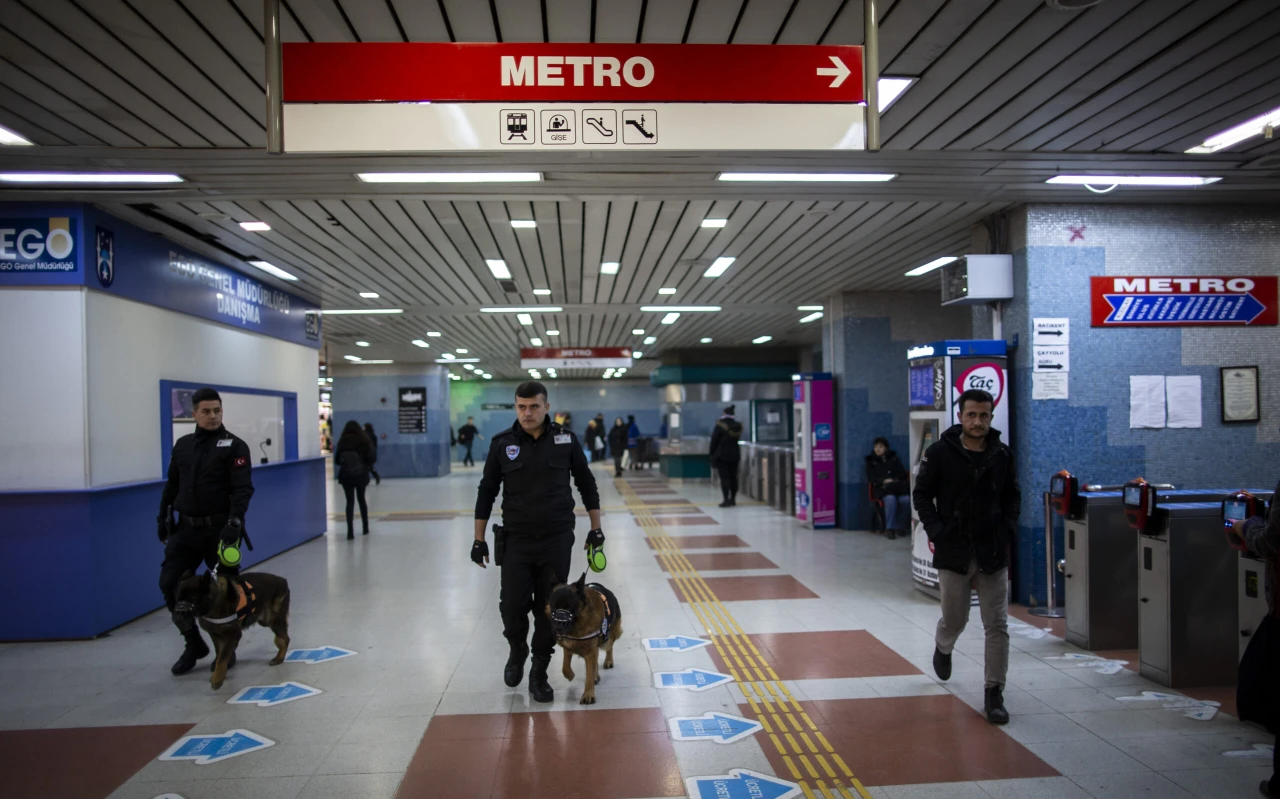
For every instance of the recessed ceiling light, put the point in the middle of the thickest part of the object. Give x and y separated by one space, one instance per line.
890 89
460 351
362 343
811 317
650 339
488 376
761 339
553 332
929 267
670 318
637 354
1132 180
86 177
714 222
666 290
256 227
523 223
1245 130
450 177
433 334
806 177
272 269
499 268
609 268
718 266
362 311
514 309
417 342
448 356
352 357
537 342
10 138
374 361
639 331
468 367
705 340
369 295
524 319
446 359
542 292
809 308
679 308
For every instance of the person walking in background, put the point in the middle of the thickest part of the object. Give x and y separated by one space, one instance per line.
354 457
591 437
603 431
467 435
888 479
633 441
373 442
618 444
725 455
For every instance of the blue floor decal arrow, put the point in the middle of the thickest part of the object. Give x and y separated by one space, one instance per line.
719 727
741 784
272 695
204 749
322 654
693 679
675 643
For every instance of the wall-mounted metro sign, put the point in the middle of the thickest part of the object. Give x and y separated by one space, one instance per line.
378 97
44 244
1184 301
575 358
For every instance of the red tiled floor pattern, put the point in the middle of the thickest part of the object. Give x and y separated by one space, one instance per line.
685 521
81 762
687 542
598 754
916 739
721 561
683 510
676 500
826 655
741 589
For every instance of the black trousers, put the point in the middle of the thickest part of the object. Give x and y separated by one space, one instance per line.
530 567
617 463
467 460
728 471
354 492
184 550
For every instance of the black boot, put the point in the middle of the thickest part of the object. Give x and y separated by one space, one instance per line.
514 672
941 664
366 529
733 498
350 532
196 648
994 706
539 688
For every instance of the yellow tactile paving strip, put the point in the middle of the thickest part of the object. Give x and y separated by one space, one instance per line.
783 717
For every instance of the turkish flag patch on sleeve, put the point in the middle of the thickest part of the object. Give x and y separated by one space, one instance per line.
239 462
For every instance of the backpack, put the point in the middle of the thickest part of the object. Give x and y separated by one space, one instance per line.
351 465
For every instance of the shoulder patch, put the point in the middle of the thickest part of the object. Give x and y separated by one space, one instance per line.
241 462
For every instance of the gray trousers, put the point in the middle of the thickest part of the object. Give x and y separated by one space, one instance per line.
993 605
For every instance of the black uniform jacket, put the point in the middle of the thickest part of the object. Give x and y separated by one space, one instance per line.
534 477
969 508
724 440
209 475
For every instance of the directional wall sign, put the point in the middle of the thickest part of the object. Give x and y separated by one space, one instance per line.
205 749
272 695
322 654
575 358
1051 331
674 643
741 784
719 727
1184 301
1051 359
693 679
415 97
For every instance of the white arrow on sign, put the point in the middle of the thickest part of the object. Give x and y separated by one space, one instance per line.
838 73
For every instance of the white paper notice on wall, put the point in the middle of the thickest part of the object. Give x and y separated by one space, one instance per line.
1146 401
1055 358
1183 395
1048 385
1052 331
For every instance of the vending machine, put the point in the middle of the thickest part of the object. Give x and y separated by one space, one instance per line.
938 374
814 414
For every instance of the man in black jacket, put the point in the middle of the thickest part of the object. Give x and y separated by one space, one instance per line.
725 455
467 435
209 486
968 500
532 463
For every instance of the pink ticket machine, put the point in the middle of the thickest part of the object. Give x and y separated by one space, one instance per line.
815 444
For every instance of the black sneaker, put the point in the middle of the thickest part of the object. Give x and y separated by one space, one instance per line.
941 665
994 706
514 671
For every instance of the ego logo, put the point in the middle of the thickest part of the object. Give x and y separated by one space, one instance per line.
37 245
988 377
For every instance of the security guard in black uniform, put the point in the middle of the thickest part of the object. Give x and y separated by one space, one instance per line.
532 462
209 486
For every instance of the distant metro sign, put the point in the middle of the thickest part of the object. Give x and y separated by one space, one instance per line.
372 97
1203 300
576 358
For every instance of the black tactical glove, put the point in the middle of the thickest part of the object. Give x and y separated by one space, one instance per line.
595 538
232 532
480 553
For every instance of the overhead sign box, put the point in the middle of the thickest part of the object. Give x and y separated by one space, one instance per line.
378 97
575 358
1184 301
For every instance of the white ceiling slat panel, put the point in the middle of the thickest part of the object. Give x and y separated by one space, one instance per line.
898 27
550 250
27 128
595 218
496 241
520 20
22 88
422 22
839 264
932 41
389 220
649 274
668 269
569 20
637 237
373 21
713 20
372 229
782 219
618 20
357 235
242 38
529 247
898 252
570 228
762 21
808 20
449 216
322 20
462 272
450 283
470 20
1179 137
759 271
290 31
349 248
615 238
665 21
752 219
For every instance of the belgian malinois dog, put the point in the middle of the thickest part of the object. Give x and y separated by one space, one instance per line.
586 618
226 605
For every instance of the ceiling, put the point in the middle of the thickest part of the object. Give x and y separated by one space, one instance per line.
1009 93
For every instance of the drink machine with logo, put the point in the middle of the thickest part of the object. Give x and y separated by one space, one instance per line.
938 374
814 413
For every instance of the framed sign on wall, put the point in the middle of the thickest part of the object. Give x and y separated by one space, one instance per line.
1239 393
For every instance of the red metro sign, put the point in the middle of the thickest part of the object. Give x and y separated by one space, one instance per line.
1204 300
575 358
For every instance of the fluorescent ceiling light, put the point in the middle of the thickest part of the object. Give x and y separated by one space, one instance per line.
534 309
929 267
809 308
670 319
488 376
9 137
666 290
609 268
553 332
499 268
705 340
375 361
468 367
1245 130
679 308
650 339
718 266
714 222
889 90
523 223
537 342
811 317
417 342
542 292
639 331
450 177
272 269
369 295
1132 180
86 177
433 334
352 357
256 227
461 351
806 177
605 376
359 311
761 339
637 354
524 319
446 358
362 343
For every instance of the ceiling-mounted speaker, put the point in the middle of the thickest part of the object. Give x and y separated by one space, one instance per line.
977 279
1071 5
